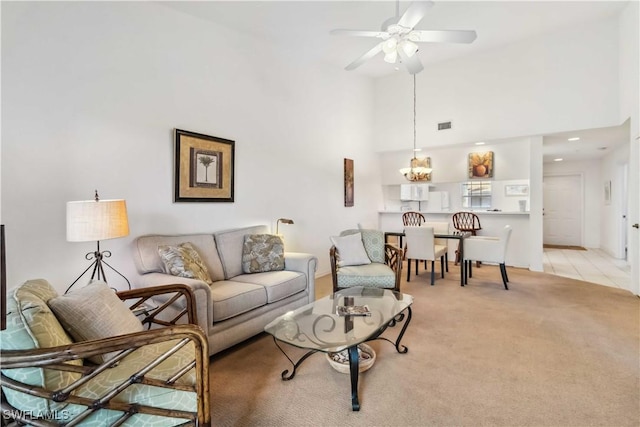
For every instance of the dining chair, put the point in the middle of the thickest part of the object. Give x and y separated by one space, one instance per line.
465 222
412 218
488 249
421 245
441 228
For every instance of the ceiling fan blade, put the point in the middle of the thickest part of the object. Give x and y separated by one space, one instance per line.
360 33
443 36
370 54
413 64
414 13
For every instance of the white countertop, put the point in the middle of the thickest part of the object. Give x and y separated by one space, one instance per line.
452 212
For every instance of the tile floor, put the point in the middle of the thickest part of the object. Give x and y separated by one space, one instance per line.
592 265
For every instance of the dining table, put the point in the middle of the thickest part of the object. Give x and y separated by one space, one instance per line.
458 235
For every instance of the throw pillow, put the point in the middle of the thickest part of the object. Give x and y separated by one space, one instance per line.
350 250
373 241
262 252
95 312
31 324
184 261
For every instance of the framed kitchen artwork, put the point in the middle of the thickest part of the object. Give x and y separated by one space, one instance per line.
204 167
481 165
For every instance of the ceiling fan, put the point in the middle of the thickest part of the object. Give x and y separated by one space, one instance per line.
399 38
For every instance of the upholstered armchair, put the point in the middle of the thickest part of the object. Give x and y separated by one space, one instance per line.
155 376
362 258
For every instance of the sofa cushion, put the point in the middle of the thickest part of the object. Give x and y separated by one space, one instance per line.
95 312
147 259
141 393
278 284
350 250
231 298
184 261
262 252
375 275
31 324
230 244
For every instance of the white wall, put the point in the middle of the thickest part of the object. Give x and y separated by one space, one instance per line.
533 87
450 164
95 91
610 234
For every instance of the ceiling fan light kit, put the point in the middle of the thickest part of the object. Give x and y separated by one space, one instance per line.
399 38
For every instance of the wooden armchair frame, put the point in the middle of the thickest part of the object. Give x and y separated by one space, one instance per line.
392 258
161 329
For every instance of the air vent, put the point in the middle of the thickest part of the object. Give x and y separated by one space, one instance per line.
444 125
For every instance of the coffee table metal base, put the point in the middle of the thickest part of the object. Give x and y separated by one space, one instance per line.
353 355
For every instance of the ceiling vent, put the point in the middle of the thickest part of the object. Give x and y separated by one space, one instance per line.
444 125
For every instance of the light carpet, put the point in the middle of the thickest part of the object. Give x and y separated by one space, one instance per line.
550 351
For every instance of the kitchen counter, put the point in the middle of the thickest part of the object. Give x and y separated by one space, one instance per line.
479 213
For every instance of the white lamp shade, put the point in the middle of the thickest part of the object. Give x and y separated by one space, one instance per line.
91 220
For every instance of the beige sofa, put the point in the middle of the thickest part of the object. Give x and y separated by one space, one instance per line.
236 306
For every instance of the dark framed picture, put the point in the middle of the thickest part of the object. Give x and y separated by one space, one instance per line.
204 168
348 182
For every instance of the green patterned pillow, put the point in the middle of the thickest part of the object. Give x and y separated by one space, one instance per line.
374 244
262 252
184 261
30 325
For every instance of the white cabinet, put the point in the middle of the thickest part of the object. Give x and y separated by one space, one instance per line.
417 192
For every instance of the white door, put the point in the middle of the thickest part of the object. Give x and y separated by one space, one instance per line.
562 201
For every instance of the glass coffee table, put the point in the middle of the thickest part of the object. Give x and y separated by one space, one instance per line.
318 328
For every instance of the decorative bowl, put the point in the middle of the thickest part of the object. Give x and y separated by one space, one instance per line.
340 360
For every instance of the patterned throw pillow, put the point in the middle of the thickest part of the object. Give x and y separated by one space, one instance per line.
262 252
374 244
184 261
31 324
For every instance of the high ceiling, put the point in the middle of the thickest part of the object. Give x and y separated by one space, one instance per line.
302 28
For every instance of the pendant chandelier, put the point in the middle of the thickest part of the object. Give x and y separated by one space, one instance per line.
419 169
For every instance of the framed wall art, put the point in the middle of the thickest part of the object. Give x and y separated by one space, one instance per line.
607 192
481 165
204 168
516 190
348 182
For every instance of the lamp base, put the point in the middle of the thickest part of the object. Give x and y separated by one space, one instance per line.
98 269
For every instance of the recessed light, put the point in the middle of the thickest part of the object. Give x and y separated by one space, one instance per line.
559 159
575 138
480 143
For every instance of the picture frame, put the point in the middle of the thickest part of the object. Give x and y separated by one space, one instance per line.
516 190
348 183
607 192
204 168
481 165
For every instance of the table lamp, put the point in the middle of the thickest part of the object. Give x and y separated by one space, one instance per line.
90 220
